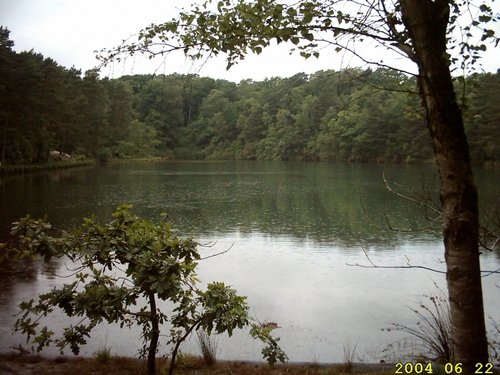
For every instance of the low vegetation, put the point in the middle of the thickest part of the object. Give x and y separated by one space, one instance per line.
208 348
432 329
103 355
121 271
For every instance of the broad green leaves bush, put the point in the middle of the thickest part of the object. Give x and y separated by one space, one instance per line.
117 266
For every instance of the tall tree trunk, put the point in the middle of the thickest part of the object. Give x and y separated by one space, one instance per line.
4 142
427 21
155 334
179 342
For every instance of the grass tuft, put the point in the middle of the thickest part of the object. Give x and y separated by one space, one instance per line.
349 355
208 348
433 327
103 355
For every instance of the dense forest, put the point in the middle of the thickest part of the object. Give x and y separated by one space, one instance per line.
352 115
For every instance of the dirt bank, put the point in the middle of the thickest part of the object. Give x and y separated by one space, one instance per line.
36 365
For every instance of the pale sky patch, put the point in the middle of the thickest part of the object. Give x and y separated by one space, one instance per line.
69 31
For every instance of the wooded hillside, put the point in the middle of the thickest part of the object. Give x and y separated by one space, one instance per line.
353 115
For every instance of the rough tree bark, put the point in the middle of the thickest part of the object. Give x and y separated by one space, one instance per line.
426 23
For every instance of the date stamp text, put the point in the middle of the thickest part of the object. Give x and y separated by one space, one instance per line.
448 368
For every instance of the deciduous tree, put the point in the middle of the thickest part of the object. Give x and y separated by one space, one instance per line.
121 270
423 31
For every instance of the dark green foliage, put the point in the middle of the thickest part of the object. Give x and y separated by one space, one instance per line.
482 118
272 351
353 115
45 107
121 269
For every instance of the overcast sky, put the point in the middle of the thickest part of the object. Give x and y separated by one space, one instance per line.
69 31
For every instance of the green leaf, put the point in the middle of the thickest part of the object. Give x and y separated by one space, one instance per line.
484 19
292 13
309 37
340 17
484 8
487 34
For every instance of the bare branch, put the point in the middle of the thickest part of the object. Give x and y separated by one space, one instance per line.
414 200
396 267
217 254
379 227
488 273
408 266
73 271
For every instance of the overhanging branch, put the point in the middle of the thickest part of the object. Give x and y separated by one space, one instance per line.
373 265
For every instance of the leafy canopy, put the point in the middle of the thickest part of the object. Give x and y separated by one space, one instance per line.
238 27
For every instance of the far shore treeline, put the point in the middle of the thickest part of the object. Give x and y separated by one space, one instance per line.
360 115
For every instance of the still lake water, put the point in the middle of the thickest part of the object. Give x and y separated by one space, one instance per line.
295 229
